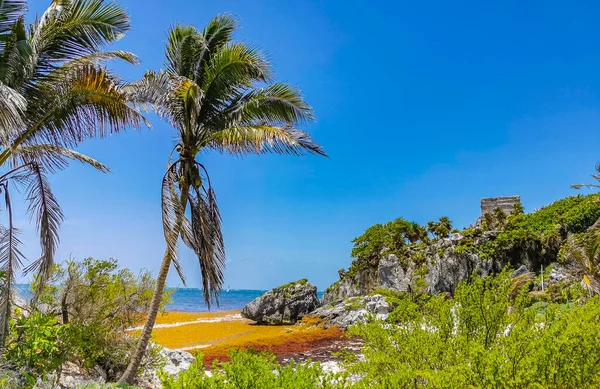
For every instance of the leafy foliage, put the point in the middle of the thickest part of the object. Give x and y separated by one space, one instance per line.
251 370
483 339
81 316
99 302
38 345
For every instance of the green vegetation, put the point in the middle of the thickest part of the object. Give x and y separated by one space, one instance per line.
251 370
292 284
81 316
56 92
492 334
489 336
537 238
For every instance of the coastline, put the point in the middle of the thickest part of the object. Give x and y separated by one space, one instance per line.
213 334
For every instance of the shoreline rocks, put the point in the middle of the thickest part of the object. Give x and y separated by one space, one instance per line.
285 304
353 310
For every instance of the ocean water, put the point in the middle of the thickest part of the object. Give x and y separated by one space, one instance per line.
192 300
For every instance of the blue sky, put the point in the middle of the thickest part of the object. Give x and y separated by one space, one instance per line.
424 108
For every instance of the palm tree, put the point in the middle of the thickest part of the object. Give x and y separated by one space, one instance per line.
55 91
587 254
217 94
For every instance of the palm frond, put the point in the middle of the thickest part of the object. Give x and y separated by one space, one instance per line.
52 157
72 28
11 260
10 12
275 104
184 46
173 215
207 241
216 34
15 55
264 140
48 215
229 73
12 108
174 197
150 92
87 102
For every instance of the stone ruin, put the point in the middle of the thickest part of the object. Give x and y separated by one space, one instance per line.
504 203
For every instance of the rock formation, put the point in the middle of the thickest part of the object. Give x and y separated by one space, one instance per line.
285 304
353 310
441 266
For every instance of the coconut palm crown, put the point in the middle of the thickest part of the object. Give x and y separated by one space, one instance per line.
55 91
217 94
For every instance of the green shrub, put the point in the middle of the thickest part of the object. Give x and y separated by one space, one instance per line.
37 345
252 370
484 339
96 301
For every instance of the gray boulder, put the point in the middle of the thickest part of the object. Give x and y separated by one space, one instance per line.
285 304
354 310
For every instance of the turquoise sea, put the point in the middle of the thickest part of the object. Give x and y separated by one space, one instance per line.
191 299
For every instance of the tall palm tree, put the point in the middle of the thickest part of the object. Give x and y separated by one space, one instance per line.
217 94
55 91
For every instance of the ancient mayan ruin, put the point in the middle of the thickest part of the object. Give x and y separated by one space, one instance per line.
505 203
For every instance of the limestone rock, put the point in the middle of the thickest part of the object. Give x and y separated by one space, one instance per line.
283 305
557 274
440 268
354 310
391 275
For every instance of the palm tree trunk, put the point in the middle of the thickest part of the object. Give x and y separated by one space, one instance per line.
136 359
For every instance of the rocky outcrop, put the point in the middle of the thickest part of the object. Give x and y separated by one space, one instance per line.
436 268
354 310
360 284
283 305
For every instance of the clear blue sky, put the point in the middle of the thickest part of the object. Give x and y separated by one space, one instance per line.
424 108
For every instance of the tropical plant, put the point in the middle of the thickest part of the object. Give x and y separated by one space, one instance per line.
441 228
585 249
37 345
253 370
217 94
55 91
483 338
99 302
595 176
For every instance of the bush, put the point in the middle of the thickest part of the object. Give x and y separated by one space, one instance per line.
97 302
252 370
484 339
81 317
37 345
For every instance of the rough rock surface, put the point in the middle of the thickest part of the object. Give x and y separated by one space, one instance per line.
176 361
557 274
283 305
392 276
354 310
440 270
